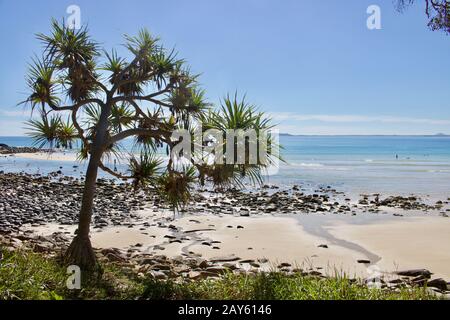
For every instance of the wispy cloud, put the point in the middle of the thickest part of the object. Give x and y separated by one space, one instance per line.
15 113
292 116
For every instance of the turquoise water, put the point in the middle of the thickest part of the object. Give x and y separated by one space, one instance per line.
369 164
353 164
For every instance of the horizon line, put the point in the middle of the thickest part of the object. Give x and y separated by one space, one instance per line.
315 135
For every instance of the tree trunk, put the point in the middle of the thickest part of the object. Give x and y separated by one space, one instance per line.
80 251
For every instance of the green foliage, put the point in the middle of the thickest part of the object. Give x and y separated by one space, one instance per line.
41 84
276 286
145 170
146 96
66 134
121 117
176 186
72 52
27 275
240 116
52 131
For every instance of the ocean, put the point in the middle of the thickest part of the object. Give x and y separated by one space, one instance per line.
389 165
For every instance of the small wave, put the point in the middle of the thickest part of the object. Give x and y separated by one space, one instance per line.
438 171
309 165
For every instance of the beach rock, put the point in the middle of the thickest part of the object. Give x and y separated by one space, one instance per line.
284 264
246 261
5 149
158 275
41 247
194 275
225 258
218 270
114 257
229 265
439 283
415 273
419 280
363 261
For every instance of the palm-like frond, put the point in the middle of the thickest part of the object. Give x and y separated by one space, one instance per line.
67 46
67 134
142 44
176 186
238 115
73 52
145 142
161 65
121 117
41 84
44 130
145 170
115 65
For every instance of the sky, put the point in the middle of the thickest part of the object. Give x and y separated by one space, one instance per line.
313 66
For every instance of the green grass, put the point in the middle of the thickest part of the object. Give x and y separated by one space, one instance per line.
27 275
277 286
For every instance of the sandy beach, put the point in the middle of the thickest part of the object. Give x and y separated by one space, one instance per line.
392 245
54 156
321 230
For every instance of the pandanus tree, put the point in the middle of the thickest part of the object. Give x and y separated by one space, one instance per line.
145 95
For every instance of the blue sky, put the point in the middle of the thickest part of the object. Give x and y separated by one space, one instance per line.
313 65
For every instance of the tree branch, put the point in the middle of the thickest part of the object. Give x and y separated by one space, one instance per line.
161 134
148 98
77 105
112 172
133 63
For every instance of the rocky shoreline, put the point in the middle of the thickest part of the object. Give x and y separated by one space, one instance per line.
35 200
5 149
193 268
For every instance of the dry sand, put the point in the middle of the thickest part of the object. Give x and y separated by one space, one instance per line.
406 243
54 156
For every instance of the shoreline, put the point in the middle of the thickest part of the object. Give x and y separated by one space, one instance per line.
284 240
289 230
